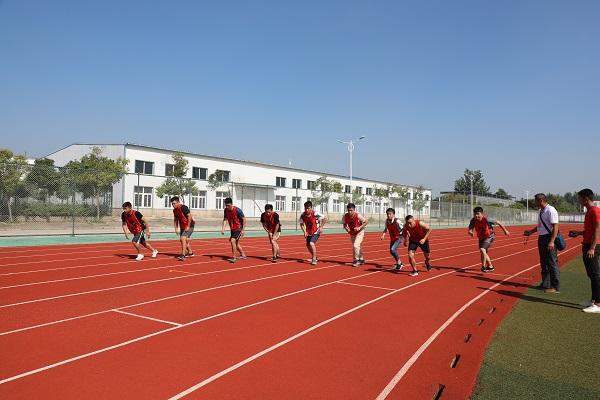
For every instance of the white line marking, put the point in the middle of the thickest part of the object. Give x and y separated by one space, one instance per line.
232 368
185 294
146 317
312 328
367 286
411 361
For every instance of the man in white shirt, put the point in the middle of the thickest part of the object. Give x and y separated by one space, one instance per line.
547 229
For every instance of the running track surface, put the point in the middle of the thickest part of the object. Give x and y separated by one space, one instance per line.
88 321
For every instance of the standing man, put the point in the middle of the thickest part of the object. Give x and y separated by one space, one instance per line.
237 223
354 224
590 248
547 229
184 226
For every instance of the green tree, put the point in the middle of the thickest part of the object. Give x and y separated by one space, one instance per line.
337 187
178 184
324 187
217 179
94 175
463 184
43 179
12 170
357 197
419 200
403 194
502 193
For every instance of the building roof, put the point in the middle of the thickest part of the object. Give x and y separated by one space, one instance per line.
290 168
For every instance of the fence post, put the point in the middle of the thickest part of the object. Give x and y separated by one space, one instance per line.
73 214
297 206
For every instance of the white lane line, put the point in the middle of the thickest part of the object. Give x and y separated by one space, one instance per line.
205 382
179 295
413 359
367 286
145 317
118 345
312 328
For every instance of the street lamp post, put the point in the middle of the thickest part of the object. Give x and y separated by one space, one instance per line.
471 190
350 144
527 202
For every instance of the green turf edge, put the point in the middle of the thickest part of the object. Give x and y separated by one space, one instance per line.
546 348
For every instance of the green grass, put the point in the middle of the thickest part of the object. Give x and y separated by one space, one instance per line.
547 348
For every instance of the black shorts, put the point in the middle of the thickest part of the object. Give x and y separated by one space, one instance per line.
412 246
139 238
312 238
187 233
236 234
486 243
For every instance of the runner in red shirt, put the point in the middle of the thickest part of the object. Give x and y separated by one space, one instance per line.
417 234
311 223
590 247
395 228
184 226
135 222
270 222
354 224
484 227
234 216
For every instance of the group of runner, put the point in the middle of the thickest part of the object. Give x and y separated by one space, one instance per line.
410 232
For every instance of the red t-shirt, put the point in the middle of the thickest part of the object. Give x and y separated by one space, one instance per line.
416 232
592 219
353 221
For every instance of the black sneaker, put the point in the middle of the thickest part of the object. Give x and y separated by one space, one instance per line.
274 259
427 266
490 268
399 267
190 255
361 262
181 257
483 269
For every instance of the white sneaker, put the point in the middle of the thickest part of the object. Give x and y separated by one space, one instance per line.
154 253
593 309
139 257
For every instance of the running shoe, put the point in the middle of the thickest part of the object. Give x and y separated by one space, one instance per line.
427 266
154 253
398 267
181 257
414 273
139 257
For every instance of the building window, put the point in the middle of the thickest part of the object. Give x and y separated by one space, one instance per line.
368 207
222 176
310 185
296 203
324 207
220 202
427 197
279 203
297 183
347 189
377 207
167 199
144 167
312 200
169 169
336 206
359 208
142 196
279 181
385 206
358 189
199 173
198 200
369 191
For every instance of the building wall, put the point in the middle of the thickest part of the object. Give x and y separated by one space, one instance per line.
253 183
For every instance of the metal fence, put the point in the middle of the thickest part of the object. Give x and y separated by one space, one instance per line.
44 200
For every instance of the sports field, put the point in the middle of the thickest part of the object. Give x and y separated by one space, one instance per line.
88 321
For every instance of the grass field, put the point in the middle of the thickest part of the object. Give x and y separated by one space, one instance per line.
546 348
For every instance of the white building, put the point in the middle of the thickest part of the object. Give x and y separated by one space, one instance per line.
251 184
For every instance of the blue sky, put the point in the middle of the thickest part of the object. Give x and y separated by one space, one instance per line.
508 87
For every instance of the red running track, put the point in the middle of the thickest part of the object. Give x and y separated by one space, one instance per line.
87 321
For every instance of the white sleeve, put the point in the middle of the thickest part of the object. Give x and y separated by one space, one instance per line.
553 216
318 215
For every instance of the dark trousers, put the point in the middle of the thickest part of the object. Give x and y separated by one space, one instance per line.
548 263
592 267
